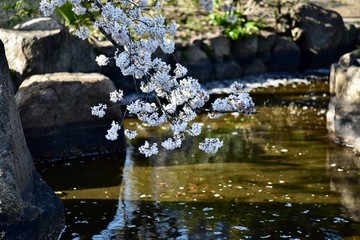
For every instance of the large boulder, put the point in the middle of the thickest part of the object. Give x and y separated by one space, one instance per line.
45 46
343 116
265 44
244 50
56 115
196 61
228 70
217 48
320 33
285 56
29 209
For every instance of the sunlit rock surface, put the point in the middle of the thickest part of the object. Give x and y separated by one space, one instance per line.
29 209
321 35
343 116
45 46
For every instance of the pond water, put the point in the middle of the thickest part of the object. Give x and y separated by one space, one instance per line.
278 176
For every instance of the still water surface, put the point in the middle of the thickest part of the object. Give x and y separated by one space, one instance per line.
277 177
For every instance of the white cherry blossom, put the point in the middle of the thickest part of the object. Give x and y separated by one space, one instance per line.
116 96
102 60
130 134
149 150
210 145
83 32
99 110
112 133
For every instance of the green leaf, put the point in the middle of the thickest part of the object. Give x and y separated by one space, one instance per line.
67 14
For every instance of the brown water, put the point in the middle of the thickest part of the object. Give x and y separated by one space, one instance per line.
277 177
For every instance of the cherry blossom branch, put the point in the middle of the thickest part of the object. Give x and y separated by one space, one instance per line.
137 35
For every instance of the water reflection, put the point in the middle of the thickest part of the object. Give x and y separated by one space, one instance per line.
269 174
274 178
144 212
344 170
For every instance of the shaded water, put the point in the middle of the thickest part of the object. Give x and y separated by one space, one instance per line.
277 177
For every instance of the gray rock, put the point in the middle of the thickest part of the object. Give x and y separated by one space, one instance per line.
40 24
320 34
48 50
255 67
266 43
220 47
228 70
343 116
32 52
244 50
353 33
82 56
197 62
29 209
56 115
348 60
285 56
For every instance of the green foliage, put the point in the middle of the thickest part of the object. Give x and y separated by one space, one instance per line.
70 19
67 15
235 24
19 11
357 51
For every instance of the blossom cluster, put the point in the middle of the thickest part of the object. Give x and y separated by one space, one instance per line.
177 98
237 101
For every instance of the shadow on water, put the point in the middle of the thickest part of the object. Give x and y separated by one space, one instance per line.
228 220
85 172
277 177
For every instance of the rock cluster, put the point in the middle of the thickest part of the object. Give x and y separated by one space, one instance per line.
57 81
